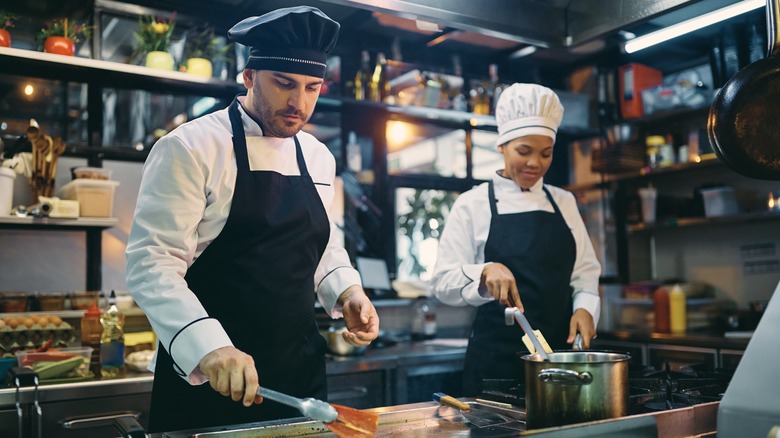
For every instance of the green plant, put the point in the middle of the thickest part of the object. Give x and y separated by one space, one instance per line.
7 19
66 28
154 33
202 43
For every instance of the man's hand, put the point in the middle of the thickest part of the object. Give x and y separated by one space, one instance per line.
582 322
359 316
232 373
501 284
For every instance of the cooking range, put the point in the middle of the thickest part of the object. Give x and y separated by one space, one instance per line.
663 403
650 390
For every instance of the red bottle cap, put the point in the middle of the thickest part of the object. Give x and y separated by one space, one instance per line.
93 311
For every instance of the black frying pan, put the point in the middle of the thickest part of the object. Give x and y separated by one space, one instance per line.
744 120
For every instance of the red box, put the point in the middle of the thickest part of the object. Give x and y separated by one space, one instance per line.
633 79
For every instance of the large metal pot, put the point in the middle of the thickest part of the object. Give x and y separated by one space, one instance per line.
575 387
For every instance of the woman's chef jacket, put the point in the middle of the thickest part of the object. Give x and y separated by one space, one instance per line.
461 256
196 162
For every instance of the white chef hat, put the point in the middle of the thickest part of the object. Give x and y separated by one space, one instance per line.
527 109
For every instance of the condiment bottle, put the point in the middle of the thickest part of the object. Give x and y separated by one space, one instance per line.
661 310
112 342
423 320
91 331
677 311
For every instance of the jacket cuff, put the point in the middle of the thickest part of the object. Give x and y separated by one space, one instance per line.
194 342
333 285
590 302
471 292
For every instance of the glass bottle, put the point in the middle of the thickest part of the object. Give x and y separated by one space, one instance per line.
354 154
423 320
494 89
363 76
379 89
112 342
91 332
661 310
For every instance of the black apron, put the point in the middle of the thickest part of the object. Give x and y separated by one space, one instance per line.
539 248
257 279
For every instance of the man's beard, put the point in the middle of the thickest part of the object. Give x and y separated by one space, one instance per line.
273 127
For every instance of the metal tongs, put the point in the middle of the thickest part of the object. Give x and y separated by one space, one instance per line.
511 314
310 407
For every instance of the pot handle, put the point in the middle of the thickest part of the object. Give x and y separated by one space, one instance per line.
566 377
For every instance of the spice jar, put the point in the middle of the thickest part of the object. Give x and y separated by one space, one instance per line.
654 143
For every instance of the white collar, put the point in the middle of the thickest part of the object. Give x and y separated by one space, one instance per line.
509 185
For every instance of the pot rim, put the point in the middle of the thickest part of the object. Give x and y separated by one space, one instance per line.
600 356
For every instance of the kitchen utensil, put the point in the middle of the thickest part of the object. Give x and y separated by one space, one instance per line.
338 345
513 312
341 420
575 387
310 407
477 417
743 117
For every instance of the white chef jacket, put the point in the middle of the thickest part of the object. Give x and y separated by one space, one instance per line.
461 255
183 204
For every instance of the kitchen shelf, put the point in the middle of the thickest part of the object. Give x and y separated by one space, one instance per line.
646 173
77 224
110 74
93 227
702 221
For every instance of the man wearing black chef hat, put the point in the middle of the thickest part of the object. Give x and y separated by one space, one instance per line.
231 238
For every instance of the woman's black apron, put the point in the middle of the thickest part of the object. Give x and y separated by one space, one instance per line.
257 279
539 248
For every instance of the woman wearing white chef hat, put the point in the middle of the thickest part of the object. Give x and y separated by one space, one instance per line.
515 241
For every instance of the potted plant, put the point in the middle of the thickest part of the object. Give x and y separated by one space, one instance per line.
6 22
201 49
154 40
60 36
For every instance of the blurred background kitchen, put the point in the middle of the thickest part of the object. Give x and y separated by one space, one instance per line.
407 112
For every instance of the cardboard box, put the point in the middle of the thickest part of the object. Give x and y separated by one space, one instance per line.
634 78
95 196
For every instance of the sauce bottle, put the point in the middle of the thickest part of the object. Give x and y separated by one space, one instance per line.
677 311
91 331
661 310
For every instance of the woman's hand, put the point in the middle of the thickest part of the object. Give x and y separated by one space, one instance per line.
582 323
500 282
359 316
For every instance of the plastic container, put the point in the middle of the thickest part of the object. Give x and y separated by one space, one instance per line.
678 317
719 201
91 173
84 300
13 302
95 196
65 363
51 301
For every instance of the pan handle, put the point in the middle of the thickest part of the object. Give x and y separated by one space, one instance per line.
772 26
565 377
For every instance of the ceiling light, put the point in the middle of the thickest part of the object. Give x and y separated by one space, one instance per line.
525 51
691 25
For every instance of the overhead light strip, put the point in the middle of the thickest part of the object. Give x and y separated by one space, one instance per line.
691 25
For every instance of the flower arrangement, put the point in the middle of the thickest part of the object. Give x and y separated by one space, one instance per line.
7 19
67 29
202 43
154 33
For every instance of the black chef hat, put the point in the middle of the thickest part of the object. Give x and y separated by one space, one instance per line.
293 40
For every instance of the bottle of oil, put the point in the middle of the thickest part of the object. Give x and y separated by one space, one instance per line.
379 89
112 342
363 76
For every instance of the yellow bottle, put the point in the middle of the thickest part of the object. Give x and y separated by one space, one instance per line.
677 310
